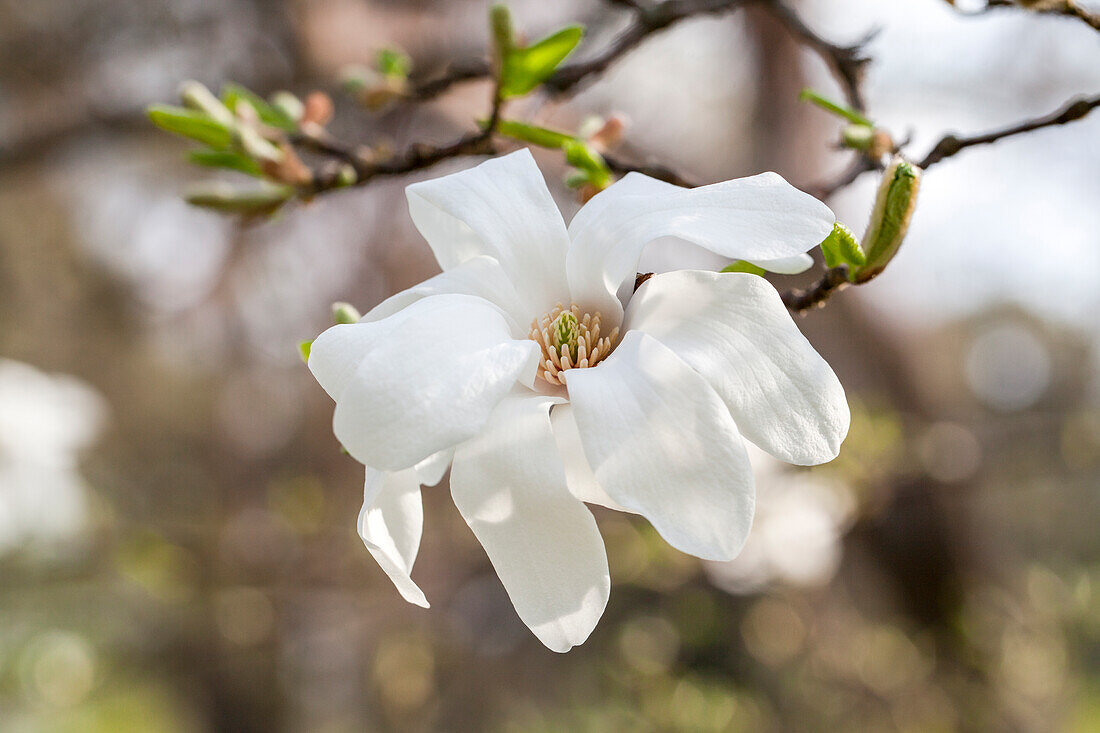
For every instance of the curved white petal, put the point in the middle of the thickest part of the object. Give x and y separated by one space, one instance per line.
578 474
786 265
760 218
662 444
391 523
430 470
481 276
734 330
509 486
427 377
502 209
336 354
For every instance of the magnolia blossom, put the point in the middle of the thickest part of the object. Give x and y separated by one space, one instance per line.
535 370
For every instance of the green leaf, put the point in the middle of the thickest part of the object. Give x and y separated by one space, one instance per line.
190 124
581 155
523 69
233 94
809 95
304 348
841 247
343 313
533 134
392 62
221 196
225 159
576 179
742 266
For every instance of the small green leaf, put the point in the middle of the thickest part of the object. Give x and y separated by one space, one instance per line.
841 247
533 134
581 155
196 96
233 94
809 95
576 179
392 62
304 348
344 313
742 266
224 197
190 124
523 69
225 159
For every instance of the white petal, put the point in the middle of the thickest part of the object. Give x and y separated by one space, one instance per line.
390 523
336 354
430 470
480 276
428 382
786 265
578 474
509 485
759 218
733 329
662 444
502 209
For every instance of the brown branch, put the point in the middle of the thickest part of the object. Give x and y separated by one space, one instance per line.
847 63
860 164
417 157
568 78
653 170
834 280
951 144
1064 8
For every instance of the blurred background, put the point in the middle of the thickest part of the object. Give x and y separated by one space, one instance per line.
177 524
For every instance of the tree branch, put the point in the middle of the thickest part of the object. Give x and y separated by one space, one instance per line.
847 63
647 21
1064 8
834 280
951 144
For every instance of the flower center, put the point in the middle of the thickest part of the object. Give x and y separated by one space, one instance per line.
570 340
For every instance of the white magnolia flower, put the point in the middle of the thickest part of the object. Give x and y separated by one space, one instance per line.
534 369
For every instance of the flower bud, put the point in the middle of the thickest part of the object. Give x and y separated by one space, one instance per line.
344 313
318 109
608 134
894 205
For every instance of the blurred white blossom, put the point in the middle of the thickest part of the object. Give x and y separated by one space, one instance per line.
45 421
801 518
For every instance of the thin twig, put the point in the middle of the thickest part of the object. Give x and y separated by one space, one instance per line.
653 170
860 164
1065 8
647 21
951 144
834 280
847 63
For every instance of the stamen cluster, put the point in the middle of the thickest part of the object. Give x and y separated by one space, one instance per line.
570 340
